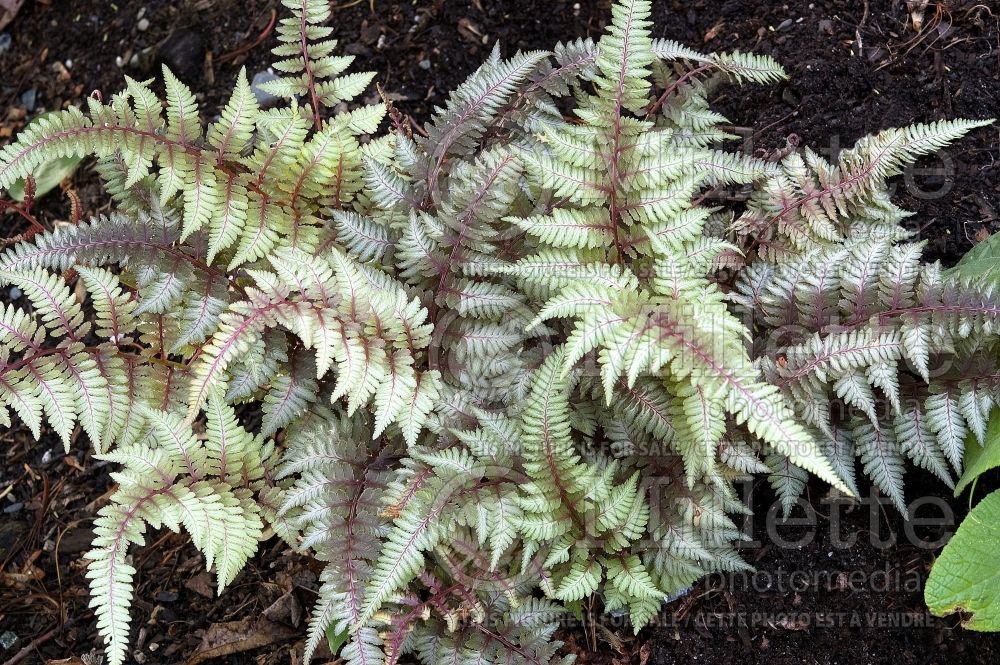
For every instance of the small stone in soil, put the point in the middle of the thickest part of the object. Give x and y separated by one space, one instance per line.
184 54
166 596
201 584
357 48
7 639
28 99
425 64
265 99
142 25
13 508
5 41
790 97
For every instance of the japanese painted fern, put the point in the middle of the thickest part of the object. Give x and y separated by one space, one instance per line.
496 367
884 356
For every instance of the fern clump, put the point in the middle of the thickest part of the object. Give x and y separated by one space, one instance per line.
887 358
497 366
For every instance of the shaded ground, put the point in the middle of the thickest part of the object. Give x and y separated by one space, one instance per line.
855 67
847 590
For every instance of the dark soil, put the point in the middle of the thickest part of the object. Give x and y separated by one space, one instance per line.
854 67
841 584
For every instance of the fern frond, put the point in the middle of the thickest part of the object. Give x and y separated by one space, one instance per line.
306 58
880 455
742 67
624 56
456 128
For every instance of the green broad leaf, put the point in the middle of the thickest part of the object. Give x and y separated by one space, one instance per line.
966 577
336 640
980 459
47 175
575 608
982 262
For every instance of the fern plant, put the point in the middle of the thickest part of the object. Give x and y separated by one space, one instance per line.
885 357
497 367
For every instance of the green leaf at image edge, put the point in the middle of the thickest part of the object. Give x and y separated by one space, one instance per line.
982 262
336 640
980 459
966 577
48 175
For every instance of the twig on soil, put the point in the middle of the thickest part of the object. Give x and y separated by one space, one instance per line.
857 30
354 3
37 642
246 48
758 132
